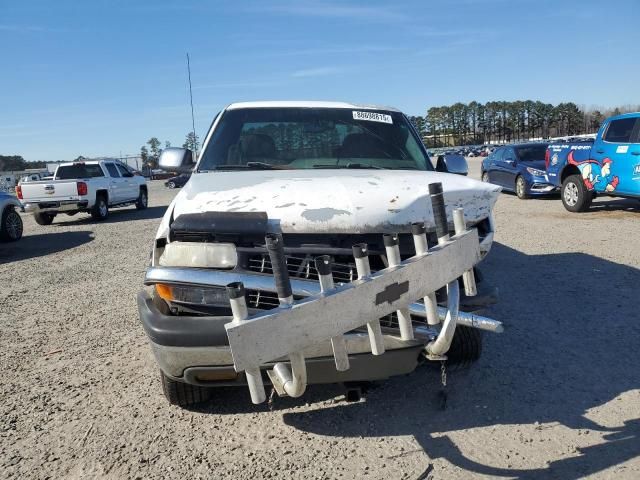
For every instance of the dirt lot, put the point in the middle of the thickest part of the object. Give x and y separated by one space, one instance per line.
556 396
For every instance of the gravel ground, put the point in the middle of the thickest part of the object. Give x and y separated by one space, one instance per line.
556 396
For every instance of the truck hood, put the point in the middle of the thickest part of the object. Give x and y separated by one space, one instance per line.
333 201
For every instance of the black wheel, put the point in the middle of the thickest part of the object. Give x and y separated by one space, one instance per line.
521 188
576 197
171 185
43 218
183 394
100 210
466 347
10 225
485 177
143 199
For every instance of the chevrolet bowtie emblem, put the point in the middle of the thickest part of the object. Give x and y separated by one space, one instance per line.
392 292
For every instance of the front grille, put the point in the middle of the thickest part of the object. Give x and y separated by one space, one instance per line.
301 263
391 321
262 300
344 271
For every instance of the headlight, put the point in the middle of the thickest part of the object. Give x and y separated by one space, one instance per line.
199 255
535 172
193 295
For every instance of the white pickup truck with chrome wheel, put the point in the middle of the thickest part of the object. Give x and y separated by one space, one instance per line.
90 186
264 251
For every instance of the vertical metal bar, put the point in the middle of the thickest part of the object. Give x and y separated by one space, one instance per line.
419 232
392 249
439 212
468 278
439 347
275 248
338 343
240 313
361 254
294 378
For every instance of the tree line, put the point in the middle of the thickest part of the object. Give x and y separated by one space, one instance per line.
476 123
15 163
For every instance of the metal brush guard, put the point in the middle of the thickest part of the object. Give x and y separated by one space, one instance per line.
288 329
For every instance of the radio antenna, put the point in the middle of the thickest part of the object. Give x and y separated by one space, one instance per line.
193 122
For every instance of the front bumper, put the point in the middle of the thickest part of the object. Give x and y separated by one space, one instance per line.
540 186
54 207
194 349
190 348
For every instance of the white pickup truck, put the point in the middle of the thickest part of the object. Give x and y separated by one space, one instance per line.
317 179
93 187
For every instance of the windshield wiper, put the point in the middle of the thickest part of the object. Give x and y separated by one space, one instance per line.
352 165
250 165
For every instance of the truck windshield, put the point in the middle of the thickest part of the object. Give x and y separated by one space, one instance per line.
69 172
308 138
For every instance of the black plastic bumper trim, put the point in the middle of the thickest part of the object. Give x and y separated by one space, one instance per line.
321 370
180 331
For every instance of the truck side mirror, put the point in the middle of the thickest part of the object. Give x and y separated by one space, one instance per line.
452 164
175 159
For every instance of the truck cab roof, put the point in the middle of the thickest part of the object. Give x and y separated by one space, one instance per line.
307 104
624 115
88 162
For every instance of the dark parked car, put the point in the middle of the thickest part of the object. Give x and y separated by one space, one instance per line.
519 168
178 181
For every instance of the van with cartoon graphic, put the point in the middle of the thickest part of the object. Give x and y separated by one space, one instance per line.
608 165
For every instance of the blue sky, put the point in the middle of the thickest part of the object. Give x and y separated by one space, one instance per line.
100 77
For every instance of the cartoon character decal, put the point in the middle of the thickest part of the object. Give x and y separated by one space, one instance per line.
596 175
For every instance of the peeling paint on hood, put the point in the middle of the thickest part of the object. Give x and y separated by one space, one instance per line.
333 201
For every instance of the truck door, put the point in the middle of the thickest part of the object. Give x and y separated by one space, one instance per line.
617 157
130 186
631 186
117 184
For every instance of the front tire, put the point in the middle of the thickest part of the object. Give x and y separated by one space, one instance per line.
171 185
43 218
11 226
521 188
183 394
100 210
466 347
143 200
485 177
575 195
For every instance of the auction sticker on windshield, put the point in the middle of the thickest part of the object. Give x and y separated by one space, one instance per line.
372 117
